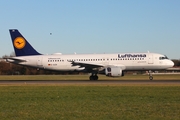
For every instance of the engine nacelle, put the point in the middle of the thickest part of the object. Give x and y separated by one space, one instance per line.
114 71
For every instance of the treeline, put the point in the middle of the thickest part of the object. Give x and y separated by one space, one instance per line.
13 69
176 63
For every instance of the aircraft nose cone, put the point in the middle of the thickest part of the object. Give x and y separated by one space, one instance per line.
171 63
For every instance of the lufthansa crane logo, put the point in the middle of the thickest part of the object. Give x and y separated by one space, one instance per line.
19 43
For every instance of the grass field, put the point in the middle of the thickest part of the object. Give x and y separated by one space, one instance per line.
89 102
86 77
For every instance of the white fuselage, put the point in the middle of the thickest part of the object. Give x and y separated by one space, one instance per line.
127 61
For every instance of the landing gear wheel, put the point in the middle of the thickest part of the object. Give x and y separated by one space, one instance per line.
150 77
93 77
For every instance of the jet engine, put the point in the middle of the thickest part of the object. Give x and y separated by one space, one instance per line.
114 71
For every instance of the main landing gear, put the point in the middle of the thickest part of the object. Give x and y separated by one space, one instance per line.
93 77
150 75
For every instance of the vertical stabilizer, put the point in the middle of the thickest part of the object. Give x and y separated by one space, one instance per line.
21 45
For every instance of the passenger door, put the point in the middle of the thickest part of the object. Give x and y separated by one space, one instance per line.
150 59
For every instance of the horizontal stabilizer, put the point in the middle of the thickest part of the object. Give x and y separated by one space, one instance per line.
14 59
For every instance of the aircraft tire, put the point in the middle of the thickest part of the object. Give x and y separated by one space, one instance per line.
150 77
93 77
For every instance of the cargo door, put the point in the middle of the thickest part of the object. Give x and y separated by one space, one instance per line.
39 61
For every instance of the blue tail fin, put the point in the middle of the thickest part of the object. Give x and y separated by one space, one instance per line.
21 45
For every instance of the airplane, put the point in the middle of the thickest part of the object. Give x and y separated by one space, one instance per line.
111 65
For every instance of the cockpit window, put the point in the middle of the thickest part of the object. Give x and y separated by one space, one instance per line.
163 57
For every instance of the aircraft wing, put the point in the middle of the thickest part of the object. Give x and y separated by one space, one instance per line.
86 65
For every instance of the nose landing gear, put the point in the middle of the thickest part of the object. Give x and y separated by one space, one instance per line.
150 75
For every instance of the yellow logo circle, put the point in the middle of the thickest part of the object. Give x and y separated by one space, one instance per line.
19 43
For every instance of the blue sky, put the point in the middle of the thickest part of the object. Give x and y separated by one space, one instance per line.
93 26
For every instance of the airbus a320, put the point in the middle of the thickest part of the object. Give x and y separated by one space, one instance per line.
111 65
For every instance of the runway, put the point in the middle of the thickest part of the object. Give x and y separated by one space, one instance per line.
88 82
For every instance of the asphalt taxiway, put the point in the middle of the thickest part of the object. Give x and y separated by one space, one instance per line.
88 82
